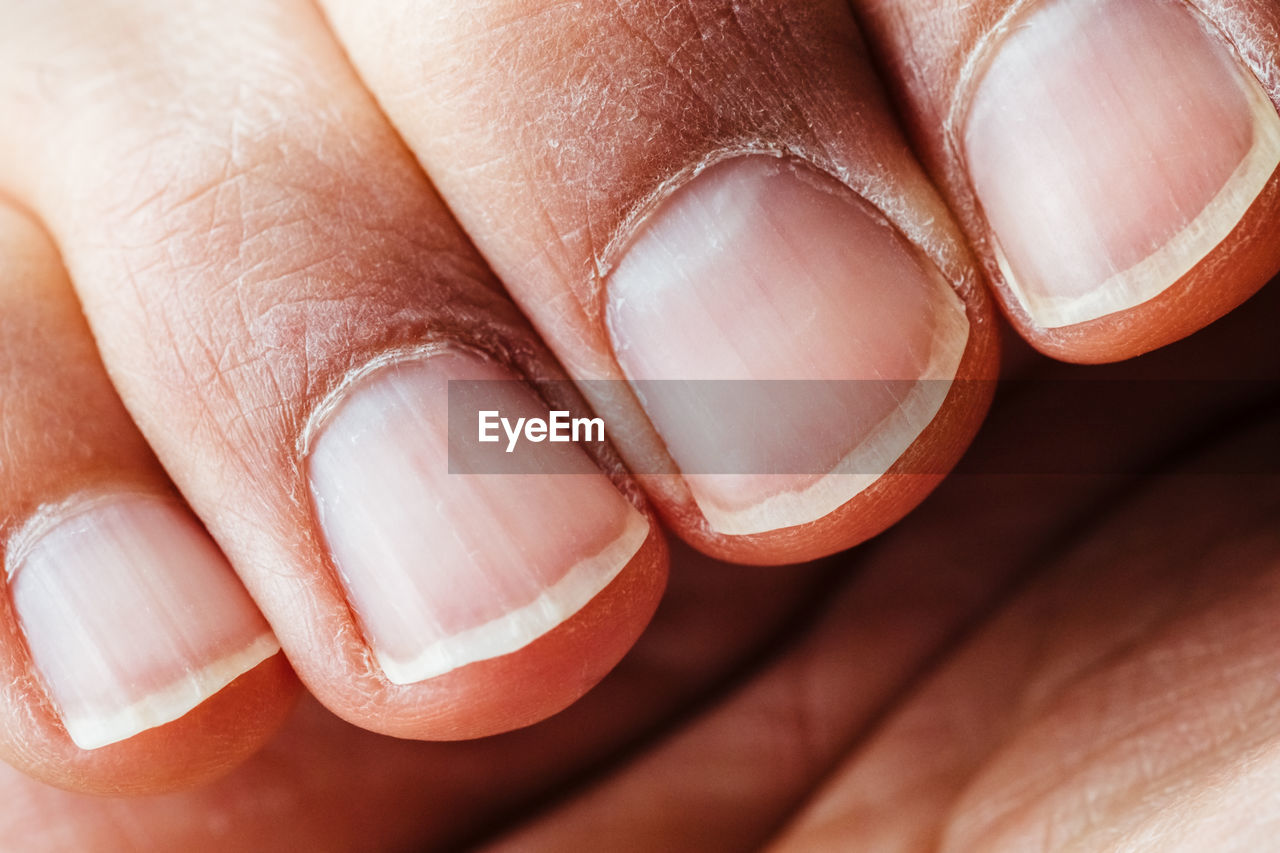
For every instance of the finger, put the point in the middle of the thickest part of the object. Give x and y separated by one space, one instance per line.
679 194
1133 682
324 785
133 660
732 776
281 301
1113 162
729 776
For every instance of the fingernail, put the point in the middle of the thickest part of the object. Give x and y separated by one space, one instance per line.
1112 145
131 613
446 569
761 269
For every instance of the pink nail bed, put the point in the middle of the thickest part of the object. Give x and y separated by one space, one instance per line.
445 569
759 270
132 615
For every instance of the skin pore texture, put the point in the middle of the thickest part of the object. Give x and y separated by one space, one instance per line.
91 536
247 247
230 298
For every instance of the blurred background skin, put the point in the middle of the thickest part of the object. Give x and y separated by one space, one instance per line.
1082 658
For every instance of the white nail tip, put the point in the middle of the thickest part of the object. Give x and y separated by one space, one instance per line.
520 627
170 703
1153 275
863 466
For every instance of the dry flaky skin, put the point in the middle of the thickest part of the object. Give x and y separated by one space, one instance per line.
931 54
552 129
242 252
255 335
50 375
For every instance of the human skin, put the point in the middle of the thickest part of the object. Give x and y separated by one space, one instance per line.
242 200
894 697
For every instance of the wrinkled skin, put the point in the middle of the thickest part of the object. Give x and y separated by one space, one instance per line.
1070 645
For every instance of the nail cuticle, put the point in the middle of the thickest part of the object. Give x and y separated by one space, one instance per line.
50 514
131 615
444 568
1128 209
697 297
389 358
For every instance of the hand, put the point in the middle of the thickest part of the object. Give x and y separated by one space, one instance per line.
279 298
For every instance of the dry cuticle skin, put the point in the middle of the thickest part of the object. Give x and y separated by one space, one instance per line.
446 569
842 336
1113 144
131 613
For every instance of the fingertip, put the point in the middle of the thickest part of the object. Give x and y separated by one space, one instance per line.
801 357
519 688
203 744
907 482
1124 158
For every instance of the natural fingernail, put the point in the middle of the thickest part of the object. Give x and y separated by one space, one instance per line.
444 569
1113 144
131 613
761 269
